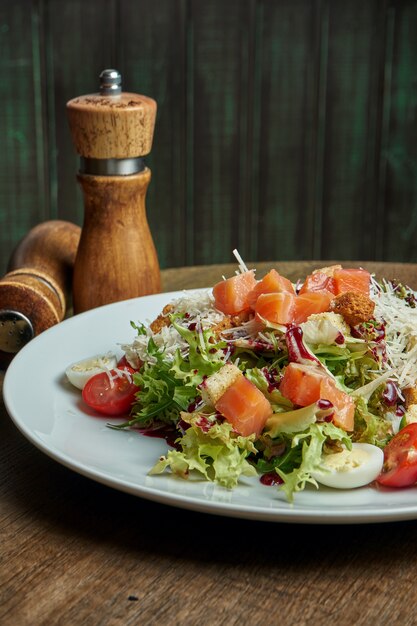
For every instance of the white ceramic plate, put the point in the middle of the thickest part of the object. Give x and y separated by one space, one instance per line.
49 412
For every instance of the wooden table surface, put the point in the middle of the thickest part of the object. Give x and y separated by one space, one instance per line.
76 552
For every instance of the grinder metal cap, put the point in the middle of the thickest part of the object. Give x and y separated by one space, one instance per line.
110 83
112 124
15 331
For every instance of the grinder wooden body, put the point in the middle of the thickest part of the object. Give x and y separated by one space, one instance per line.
116 257
35 291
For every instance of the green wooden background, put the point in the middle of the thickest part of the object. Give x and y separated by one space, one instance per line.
286 128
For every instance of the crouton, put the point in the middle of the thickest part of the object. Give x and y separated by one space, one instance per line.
411 414
213 387
241 318
410 396
162 319
354 307
230 321
224 324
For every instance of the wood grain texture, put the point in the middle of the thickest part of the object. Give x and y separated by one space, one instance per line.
288 122
219 108
285 128
116 257
399 151
151 52
23 190
77 553
50 247
112 127
38 283
208 275
354 87
79 40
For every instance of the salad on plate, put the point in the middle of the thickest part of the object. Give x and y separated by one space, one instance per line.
313 383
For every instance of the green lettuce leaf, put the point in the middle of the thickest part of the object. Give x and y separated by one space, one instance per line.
351 368
311 442
277 452
205 353
370 428
214 450
169 386
275 397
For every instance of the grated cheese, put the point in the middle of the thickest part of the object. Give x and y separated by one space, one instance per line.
118 373
110 377
200 310
242 265
401 332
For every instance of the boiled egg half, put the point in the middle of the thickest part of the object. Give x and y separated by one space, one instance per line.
350 468
80 372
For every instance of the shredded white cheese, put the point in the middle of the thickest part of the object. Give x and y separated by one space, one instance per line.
242 265
197 304
401 332
118 373
200 310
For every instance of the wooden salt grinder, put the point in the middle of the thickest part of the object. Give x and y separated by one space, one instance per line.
116 258
35 291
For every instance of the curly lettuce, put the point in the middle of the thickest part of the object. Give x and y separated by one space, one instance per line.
168 386
212 449
370 428
310 445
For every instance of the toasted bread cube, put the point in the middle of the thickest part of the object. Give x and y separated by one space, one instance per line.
213 387
411 414
410 395
162 320
354 307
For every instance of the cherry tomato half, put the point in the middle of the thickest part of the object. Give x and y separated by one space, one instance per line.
111 397
123 362
400 459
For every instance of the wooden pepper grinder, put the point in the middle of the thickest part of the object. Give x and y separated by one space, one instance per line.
35 291
112 132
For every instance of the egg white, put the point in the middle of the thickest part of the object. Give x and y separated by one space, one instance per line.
351 468
80 372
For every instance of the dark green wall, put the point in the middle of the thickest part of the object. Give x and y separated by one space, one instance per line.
286 128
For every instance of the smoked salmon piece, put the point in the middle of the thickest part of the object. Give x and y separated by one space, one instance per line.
344 413
318 281
277 308
287 308
245 407
337 280
351 280
301 384
272 282
308 303
305 384
231 295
